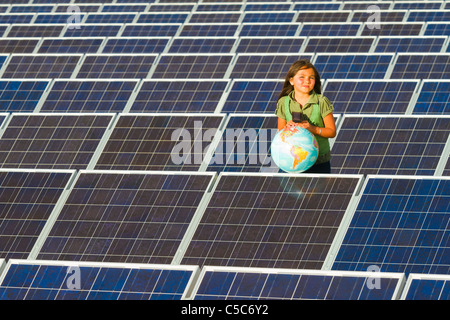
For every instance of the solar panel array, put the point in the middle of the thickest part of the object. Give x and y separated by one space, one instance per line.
135 151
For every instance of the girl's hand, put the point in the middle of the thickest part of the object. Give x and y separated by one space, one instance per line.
291 123
306 125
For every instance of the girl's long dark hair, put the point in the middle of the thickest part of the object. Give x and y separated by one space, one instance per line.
295 67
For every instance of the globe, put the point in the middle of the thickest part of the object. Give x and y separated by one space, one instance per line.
294 149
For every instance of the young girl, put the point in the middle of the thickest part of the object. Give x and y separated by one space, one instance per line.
301 103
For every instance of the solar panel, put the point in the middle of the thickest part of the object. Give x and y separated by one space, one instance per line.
316 6
427 287
410 44
267 7
51 280
429 15
172 7
353 65
150 30
399 225
215 17
193 66
252 96
382 15
83 7
268 16
93 17
289 284
341 44
268 29
392 29
41 66
390 144
270 220
219 6
433 98
245 145
21 95
127 216
88 95
51 141
179 95
27 200
27 8
136 45
202 45
270 45
70 45
21 45
421 66
125 7
55 18
162 17
209 30
321 16
329 29
159 142
437 29
417 5
264 66
94 30
13 18
121 66
370 96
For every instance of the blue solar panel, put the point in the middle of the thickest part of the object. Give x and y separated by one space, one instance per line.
400 225
56 18
392 29
94 30
421 66
437 29
162 17
136 45
270 45
70 45
35 30
353 66
268 29
21 45
429 15
329 29
410 44
14 18
433 98
21 95
150 30
427 287
47 280
284 284
202 45
269 16
339 44
110 18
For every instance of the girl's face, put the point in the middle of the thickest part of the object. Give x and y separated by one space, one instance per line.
304 80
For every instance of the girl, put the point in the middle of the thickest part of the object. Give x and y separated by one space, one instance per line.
301 103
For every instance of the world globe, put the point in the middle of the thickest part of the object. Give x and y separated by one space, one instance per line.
294 149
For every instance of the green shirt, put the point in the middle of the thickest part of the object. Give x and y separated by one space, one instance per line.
324 108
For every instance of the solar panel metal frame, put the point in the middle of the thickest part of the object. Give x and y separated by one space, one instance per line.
43 95
400 277
195 270
418 277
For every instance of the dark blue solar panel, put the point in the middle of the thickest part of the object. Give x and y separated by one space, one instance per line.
437 29
268 29
57 18
421 66
110 18
202 45
270 45
392 29
429 15
21 95
410 44
94 30
16 18
363 66
9 45
74 45
34 280
135 45
27 8
427 287
329 29
209 30
35 30
215 17
298 6
433 98
162 17
150 30
341 44
226 284
400 225
269 17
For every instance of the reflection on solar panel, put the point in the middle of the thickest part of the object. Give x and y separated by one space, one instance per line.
427 287
421 66
341 44
275 284
410 44
88 96
159 142
252 96
50 280
21 95
353 66
245 145
389 144
8 45
130 66
51 141
70 45
41 66
370 96
433 98
199 66
125 216
27 199
400 225
179 96
270 45
264 66
273 221
202 45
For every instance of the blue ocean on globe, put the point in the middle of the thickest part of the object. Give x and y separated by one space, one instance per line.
294 149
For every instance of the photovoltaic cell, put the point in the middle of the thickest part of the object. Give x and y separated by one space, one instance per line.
162 17
380 97
406 145
21 95
88 96
125 217
437 29
215 17
353 66
285 284
421 66
48 280
41 66
264 66
427 287
400 225
14 18
110 18
27 199
159 142
429 15
179 96
272 221
433 98
51 141
121 66
198 66
252 96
